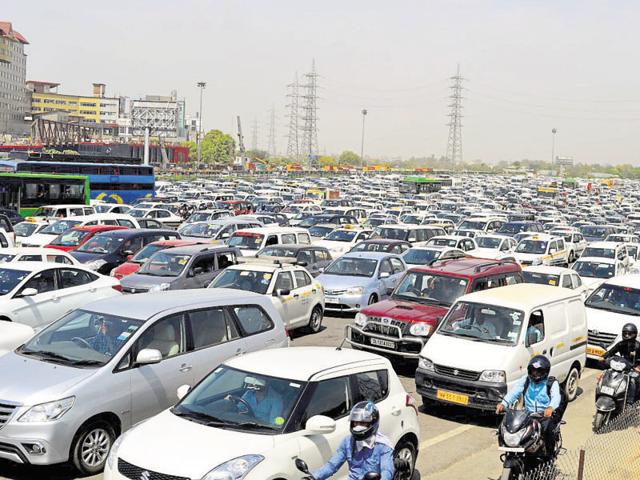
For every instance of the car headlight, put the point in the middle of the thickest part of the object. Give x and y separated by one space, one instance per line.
235 469
493 376
161 287
361 319
96 264
420 329
113 454
48 412
355 291
425 364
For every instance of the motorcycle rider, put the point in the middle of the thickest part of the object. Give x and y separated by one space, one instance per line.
628 348
365 450
536 398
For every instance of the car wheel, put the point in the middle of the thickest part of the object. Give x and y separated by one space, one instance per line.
315 321
91 447
404 452
571 384
372 299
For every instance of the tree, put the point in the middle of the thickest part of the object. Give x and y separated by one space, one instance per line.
216 147
327 161
349 158
193 149
257 154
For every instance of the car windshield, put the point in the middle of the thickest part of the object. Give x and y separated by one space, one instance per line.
594 231
6 257
411 219
443 242
488 242
82 339
278 252
59 227
566 235
341 235
312 220
483 323
391 233
101 244
240 400
102 208
473 225
353 267
204 230
198 217
165 264
594 269
616 238
137 213
24 229
249 280
432 289
246 240
513 228
599 252
144 254
616 299
9 279
318 231
421 256
532 246
71 238
541 278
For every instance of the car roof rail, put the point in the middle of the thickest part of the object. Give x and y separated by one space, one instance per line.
497 263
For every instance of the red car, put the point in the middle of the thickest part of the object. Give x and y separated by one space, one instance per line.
72 239
134 263
239 207
401 325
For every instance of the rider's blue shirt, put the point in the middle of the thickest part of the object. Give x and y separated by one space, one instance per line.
378 459
536 398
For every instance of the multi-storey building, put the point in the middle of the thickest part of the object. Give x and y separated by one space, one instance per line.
14 102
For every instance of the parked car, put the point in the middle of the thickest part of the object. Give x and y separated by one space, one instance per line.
556 277
313 258
25 229
431 253
252 240
77 236
542 249
340 240
382 245
220 229
27 254
166 217
102 368
595 270
317 387
494 246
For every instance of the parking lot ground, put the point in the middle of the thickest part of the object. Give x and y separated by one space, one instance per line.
455 443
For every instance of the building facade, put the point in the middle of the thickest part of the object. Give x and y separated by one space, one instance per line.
14 100
163 116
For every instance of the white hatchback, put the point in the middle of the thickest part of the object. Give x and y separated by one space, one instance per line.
311 389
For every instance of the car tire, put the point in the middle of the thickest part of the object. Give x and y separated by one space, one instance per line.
91 446
315 320
405 450
372 299
571 383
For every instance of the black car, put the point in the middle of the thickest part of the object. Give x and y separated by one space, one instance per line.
13 216
309 256
327 218
382 245
105 251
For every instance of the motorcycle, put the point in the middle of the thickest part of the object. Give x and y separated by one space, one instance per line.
521 438
302 466
611 391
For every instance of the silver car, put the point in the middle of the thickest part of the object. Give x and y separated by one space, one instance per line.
68 392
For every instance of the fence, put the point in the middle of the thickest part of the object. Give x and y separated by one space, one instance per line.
611 453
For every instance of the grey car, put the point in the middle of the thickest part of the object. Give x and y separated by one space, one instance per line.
313 258
180 268
67 393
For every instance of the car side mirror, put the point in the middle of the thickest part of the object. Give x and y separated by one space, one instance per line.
127 253
28 292
321 269
282 292
148 356
302 466
197 271
320 425
384 275
182 391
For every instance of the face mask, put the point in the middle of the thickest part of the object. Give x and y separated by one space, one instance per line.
359 428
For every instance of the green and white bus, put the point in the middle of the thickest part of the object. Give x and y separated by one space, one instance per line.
26 192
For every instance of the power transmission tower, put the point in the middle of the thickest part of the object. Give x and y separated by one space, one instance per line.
293 139
254 135
272 132
454 143
310 116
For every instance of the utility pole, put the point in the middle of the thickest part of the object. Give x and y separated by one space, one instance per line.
254 135
272 132
293 138
201 86
310 115
553 145
454 142
364 115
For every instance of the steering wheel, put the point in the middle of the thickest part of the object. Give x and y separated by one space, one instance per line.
81 342
234 398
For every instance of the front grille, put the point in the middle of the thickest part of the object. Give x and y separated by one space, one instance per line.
12 449
137 473
335 292
6 410
381 327
456 372
601 339
134 290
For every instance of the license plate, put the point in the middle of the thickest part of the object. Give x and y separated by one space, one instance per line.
597 351
453 397
511 449
607 390
328 299
383 343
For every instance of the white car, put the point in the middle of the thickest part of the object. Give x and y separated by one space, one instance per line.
27 254
341 240
542 249
556 277
595 270
466 244
429 254
298 297
34 294
166 217
317 387
495 247
612 250
24 230
573 239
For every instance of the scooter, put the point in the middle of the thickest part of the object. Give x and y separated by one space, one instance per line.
520 437
302 466
611 391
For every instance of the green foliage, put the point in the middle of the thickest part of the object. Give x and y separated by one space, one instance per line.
327 161
259 154
193 149
216 147
349 158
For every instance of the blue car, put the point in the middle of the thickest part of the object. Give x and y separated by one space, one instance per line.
360 278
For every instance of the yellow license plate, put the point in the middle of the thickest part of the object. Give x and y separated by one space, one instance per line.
453 397
597 351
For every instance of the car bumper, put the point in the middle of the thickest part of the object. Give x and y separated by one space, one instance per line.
468 393
17 442
344 303
401 346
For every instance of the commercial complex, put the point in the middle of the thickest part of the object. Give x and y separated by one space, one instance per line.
14 101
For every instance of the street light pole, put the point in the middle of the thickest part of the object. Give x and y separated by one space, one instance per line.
364 115
201 86
553 145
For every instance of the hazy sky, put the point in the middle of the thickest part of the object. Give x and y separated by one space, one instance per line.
530 65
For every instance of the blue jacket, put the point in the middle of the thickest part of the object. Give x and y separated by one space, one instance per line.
268 409
536 398
379 459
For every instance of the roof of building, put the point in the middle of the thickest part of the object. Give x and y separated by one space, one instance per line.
6 30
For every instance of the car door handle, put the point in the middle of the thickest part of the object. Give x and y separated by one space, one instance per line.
185 368
395 411
544 352
551 352
55 299
295 295
92 289
239 351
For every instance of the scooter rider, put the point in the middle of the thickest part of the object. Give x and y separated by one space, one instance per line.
536 398
628 348
365 450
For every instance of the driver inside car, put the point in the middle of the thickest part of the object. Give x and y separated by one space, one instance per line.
265 402
104 341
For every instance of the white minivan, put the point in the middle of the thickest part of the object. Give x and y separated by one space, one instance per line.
483 345
251 240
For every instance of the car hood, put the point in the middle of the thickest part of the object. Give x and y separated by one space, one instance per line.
137 280
342 281
202 448
492 253
38 239
126 269
607 321
61 247
333 245
406 311
31 381
83 257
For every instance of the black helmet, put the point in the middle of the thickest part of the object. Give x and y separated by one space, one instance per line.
538 368
364 420
629 332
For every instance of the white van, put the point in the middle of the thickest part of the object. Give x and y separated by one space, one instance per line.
50 212
483 345
251 240
417 235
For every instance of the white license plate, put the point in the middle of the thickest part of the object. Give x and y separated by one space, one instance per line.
607 390
328 299
510 449
383 343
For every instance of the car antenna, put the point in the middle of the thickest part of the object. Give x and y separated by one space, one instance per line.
339 347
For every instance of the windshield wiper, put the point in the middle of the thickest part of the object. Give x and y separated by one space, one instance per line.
204 418
86 362
256 426
46 354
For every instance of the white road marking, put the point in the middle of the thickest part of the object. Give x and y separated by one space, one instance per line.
445 436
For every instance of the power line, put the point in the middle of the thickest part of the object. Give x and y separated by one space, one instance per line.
293 139
454 142
310 115
254 135
272 132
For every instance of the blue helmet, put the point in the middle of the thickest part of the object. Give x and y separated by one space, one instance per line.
364 420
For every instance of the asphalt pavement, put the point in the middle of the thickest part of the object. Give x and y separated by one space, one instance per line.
455 443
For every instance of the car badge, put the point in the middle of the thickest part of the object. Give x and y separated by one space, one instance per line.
133 290
595 332
145 475
386 320
456 372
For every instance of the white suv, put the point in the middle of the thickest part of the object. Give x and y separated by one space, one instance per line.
312 390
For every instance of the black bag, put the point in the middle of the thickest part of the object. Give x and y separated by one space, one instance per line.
564 400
